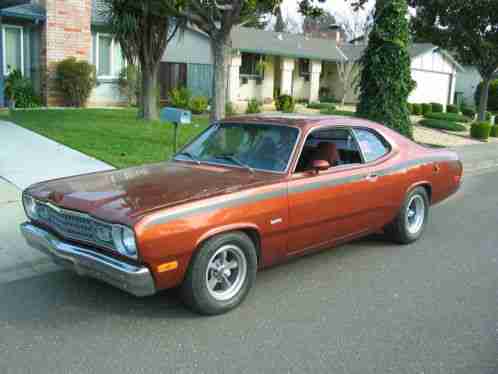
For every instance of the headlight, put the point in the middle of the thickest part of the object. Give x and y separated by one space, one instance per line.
124 241
30 206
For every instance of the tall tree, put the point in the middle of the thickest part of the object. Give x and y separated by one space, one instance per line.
280 25
143 29
386 82
468 28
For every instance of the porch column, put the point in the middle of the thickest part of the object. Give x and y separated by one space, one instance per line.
234 78
287 70
315 71
2 85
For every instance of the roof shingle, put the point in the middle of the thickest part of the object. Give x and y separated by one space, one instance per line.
26 11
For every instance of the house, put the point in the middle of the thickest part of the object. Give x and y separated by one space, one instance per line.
37 34
467 83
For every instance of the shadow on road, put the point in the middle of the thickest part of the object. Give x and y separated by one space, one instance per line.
66 298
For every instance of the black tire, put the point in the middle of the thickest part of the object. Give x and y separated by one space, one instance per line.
398 230
195 291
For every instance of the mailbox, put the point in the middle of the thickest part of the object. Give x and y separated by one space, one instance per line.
176 117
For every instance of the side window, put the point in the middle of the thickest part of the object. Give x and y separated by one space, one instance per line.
372 144
337 145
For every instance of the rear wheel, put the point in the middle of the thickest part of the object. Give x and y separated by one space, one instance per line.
221 274
409 224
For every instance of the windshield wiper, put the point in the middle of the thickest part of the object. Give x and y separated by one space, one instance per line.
189 155
235 160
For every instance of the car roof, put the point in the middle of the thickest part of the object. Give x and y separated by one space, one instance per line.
301 121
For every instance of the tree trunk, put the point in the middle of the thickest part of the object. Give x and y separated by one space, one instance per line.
221 54
483 100
149 93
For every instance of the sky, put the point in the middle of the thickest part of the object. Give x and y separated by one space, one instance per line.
290 7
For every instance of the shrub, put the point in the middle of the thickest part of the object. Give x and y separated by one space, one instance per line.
480 130
130 84
493 95
75 80
426 109
253 107
320 106
229 109
199 104
488 116
410 108
285 103
335 112
452 109
452 117
417 109
20 91
437 108
180 98
494 131
468 111
442 125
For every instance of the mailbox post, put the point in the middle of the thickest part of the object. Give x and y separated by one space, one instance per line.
176 117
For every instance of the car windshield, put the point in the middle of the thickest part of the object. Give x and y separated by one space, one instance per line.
250 146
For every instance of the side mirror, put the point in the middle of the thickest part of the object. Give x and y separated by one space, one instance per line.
320 165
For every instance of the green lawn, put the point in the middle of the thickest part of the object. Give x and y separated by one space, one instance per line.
114 136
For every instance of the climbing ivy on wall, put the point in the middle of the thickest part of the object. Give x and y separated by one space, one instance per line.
386 82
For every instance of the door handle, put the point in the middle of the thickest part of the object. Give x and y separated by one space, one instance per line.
372 177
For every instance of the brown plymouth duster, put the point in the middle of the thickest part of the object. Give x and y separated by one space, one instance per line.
247 193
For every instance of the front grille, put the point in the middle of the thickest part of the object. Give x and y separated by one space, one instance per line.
74 225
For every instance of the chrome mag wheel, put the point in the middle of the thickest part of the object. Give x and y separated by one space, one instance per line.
415 214
226 272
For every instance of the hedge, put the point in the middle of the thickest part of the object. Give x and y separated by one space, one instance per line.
493 95
442 125
452 109
336 112
480 130
426 109
452 117
320 106
494 131
410 108
417 109
437 108
468 111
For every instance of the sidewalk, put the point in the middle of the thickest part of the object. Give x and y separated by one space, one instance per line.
27 158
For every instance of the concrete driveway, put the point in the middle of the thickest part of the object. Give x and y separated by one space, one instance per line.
27 158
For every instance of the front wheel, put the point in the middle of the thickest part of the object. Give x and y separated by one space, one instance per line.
221 274
409 224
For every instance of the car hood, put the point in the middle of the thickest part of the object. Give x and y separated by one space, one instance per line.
124 196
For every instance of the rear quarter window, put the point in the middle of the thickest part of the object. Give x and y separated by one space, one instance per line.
373 145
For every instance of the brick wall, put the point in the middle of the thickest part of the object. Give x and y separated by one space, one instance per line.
66 33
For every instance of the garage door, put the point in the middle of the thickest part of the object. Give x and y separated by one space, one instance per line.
431 87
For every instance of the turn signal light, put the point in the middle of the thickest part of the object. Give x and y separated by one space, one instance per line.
168 266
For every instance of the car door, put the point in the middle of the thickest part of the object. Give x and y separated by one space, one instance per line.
333 205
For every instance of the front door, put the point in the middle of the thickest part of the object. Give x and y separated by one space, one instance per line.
333 205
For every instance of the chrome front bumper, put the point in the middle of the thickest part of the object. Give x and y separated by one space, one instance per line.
136 280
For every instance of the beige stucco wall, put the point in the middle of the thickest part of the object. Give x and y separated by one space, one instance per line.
263 91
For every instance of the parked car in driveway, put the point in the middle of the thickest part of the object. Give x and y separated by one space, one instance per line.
247 193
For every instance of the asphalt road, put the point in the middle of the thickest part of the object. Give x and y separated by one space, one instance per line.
366 307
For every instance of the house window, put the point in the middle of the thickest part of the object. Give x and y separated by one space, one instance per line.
304 67
251 65
13 56
108 57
